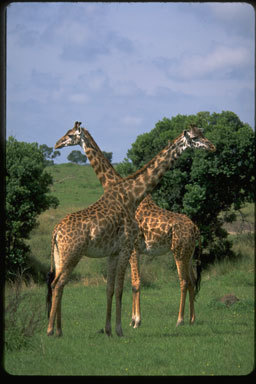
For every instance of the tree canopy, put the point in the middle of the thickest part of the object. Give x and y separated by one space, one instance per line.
202 184
108 155
77 157
49 154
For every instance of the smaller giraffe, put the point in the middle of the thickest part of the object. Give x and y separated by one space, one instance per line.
166 231
163 230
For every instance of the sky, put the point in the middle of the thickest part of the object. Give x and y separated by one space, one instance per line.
119 68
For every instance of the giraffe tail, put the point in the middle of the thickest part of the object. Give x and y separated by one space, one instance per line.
198 266
50 277
49 280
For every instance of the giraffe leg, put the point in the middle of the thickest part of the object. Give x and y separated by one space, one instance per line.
187 282
58 313
191 289
56 305
121 268
112 264
55 302
183 277
135 277
58 284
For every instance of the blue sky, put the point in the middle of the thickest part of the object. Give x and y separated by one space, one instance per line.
121 67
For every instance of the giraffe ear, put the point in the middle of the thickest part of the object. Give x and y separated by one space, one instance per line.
195 132
77 126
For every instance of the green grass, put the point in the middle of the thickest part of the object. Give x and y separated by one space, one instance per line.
75 186
221 342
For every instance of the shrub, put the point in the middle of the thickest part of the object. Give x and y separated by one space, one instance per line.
23 317
27 195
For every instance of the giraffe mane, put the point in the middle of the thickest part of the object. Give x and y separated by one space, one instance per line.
97 148
196 131
141 170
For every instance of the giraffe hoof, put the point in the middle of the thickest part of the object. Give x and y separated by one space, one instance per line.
132 323
179 322
137 324
59 333
108 332
50 333
119 331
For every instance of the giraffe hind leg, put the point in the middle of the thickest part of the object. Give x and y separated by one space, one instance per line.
135 278
120 272
57 289
192 289
187 283
57 286
49 280
112 265
184 278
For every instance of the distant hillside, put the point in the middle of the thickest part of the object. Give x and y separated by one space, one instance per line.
75 185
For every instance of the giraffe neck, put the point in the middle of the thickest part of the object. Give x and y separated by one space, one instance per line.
104 170
145 179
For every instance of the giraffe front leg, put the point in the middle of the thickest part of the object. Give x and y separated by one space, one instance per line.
135 278
121 268
112 264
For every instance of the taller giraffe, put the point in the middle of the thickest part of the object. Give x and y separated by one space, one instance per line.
108 228
162 230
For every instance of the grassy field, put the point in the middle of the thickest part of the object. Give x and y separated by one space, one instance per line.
221 342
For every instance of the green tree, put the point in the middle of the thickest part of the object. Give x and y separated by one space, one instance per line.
203 185
108 155
27 195
49 154
77 157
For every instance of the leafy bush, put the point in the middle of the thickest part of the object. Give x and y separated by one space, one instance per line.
27 195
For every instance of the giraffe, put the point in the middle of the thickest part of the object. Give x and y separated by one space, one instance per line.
160 228
166 231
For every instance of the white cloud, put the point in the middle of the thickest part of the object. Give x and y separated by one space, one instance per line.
222 59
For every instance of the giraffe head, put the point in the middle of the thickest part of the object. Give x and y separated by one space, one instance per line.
72 137
194 138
